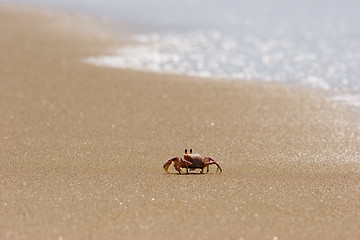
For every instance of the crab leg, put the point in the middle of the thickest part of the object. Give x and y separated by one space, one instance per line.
210 161
177 166
185 164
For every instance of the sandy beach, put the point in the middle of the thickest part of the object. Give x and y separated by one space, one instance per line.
82 147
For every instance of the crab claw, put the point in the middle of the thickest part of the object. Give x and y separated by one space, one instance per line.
167 165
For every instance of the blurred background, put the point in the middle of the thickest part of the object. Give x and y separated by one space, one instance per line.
311 43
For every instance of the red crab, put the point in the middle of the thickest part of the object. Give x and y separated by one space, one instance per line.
192 162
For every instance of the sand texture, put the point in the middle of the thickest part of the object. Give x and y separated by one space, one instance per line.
82 147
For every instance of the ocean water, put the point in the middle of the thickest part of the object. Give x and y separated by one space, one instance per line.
311 43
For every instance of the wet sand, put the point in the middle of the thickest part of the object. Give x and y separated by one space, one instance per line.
82 147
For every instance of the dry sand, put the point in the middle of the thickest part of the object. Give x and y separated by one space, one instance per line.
82 147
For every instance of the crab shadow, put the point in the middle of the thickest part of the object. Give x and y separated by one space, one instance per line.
190 173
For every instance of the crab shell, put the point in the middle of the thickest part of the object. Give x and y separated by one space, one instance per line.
195 159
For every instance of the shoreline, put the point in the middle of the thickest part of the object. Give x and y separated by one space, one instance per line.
82 147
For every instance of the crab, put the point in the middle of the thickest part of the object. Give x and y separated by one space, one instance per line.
191 161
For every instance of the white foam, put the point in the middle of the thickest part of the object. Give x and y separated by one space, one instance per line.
213 54
317 82
348 99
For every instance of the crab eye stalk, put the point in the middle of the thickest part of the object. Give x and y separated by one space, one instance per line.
190 151
185 150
